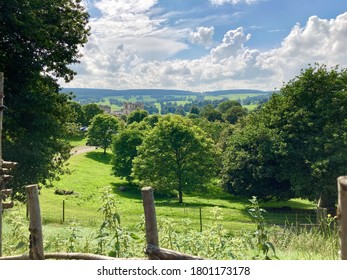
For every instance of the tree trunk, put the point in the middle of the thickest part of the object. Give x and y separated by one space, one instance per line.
180 194
327 202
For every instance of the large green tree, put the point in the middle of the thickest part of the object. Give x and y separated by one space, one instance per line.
296 142
90 111
39 40
137 116
175 155
124 148
102 129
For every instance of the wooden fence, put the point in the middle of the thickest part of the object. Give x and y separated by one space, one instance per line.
152 250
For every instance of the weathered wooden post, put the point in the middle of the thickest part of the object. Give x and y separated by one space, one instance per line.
342 214
1 185
35 228
150 217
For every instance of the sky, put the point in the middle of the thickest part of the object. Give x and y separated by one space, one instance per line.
204 45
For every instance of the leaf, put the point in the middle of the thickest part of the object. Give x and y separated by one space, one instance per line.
20 245
134 236
271 246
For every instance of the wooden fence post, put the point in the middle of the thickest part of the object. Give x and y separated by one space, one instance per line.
342 214
1 183
150 216
35 228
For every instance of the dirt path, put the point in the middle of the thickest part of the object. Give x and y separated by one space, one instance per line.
82 149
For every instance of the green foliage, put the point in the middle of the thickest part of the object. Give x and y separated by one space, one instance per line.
261 234
175 155
194 110
211 114
226 105
102 128
294 145
39 40
89 111
124 148
137 116
112 238
234 113
251 162
19 233
79 116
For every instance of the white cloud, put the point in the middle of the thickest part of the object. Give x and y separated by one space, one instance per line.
202 36
116 58
233 43
320 41
233 2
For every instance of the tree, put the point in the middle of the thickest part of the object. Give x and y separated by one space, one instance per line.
234 113
175 155
102 128
124 148
305 134
180 111
39 40
252 162
226 105
194 110
90 111
79 114
211 114
137 116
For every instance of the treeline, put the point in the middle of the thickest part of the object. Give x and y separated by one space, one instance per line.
292 146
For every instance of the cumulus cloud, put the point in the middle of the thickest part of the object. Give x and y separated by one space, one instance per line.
321 40
233 43
202 36
115 58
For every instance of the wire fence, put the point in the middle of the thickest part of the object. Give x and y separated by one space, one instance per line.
193 216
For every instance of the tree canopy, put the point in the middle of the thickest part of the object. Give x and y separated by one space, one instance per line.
175 155
295 145
39 40
137 116
124 148
102 129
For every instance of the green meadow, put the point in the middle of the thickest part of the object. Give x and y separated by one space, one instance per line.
72 222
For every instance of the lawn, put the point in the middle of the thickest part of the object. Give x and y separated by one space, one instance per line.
224 217
90 172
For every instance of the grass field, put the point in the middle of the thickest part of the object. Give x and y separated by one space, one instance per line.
148 98
92 171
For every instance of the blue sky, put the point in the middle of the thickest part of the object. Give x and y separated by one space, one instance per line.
209 44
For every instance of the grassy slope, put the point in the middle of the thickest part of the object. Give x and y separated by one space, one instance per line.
92 171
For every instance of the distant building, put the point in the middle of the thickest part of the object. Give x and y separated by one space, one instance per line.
129 107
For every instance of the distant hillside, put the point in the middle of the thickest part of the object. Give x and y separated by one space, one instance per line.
235 91
84 93
94 93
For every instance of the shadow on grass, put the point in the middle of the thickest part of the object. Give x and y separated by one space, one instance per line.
126 190
99 156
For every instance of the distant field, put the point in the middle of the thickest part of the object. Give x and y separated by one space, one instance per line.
174 98
235 96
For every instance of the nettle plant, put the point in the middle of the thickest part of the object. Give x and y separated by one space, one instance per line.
113 239
261 234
